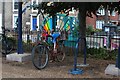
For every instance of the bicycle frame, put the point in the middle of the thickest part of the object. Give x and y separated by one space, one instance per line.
54 36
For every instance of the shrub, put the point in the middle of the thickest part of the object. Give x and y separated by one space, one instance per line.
102 53
89 30
13 41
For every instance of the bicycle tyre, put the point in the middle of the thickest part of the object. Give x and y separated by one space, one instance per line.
7 47
61 52
40 60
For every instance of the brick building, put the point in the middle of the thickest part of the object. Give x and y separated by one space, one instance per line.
30 18
97 22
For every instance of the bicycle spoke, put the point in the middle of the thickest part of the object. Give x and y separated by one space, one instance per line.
60 53
39 56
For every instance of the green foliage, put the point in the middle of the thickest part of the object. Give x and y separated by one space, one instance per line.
29 41
113 54
13 41
90 30
97 30
102 53
27 47
91 7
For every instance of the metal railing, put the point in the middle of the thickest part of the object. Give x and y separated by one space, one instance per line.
92 42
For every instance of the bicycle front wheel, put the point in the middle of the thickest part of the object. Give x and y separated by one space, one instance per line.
40 56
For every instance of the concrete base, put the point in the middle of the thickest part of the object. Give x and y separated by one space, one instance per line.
112 70
18 57
83 65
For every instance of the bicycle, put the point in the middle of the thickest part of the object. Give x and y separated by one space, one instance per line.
44 50
51 46
7 45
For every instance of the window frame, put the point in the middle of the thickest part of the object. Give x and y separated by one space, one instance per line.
113 13
31 21
32 4
1 23
13 26
101 11
100 21
72 12
14 6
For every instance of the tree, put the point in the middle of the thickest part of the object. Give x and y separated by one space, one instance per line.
85 9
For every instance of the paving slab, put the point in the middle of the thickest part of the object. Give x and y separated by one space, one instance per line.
19 57
112 70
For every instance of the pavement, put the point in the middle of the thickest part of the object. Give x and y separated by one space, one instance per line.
95 69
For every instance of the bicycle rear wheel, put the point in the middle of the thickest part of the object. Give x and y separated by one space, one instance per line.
40 56
61 52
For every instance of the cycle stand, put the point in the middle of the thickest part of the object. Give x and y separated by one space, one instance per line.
75 70
85 53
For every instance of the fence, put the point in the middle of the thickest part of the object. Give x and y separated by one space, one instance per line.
102 42
95 43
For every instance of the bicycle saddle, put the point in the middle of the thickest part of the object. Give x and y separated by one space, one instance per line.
55 36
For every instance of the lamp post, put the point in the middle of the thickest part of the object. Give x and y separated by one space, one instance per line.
20 47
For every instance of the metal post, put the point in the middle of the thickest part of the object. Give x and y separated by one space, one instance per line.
85 54
20 47
75 57
118 57
75 70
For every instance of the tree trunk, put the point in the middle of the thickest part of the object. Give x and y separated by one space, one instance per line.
82 26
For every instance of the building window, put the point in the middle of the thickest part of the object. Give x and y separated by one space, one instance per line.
15 5
101 12
34 22
99 24
113 13
34 2
108 12
15 16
